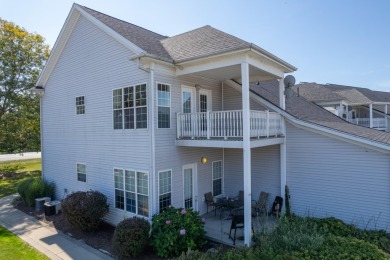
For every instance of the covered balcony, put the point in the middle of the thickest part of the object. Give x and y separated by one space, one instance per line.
225 129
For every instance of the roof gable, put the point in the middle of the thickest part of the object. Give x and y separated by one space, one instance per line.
147 40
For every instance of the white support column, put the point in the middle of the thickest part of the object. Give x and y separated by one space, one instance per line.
371 125
283 178
347 113
386 118
341 110
247 154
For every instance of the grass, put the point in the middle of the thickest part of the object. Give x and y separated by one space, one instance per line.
17 171
13 247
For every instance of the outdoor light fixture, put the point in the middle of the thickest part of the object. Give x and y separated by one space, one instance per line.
38 90
203 160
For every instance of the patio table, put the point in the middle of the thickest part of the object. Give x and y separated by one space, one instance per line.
229 204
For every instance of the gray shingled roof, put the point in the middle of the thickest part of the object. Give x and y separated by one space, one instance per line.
147 40
202 42
303 109
315 92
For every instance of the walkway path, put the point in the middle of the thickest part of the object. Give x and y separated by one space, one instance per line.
19 156
41 236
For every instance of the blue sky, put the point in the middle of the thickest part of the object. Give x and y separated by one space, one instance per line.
342 42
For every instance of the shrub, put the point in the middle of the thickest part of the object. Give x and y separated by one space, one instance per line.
85 209
131 237
293 234
176 230
30 189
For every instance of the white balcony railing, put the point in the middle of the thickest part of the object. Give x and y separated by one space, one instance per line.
377 123
227 124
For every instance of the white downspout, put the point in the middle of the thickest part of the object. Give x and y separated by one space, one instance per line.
246 153
386 118
152 143
41 135
283 149
371 123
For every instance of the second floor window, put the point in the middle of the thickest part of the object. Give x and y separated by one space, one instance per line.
164 105
130 107
80 105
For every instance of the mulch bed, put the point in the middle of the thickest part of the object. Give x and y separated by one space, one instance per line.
100 239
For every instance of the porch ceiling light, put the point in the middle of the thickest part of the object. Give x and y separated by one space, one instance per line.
203 160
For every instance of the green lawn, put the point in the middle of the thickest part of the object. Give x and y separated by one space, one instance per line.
13 247
20 170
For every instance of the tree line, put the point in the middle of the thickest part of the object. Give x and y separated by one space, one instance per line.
22 58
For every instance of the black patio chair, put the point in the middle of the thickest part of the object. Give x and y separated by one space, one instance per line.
208 197
237 222
277 206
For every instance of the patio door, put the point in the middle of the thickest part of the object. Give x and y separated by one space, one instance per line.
204 106
188 107
190 183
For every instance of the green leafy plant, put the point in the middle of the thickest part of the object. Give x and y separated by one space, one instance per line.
30 189
85 209
131 237
176 230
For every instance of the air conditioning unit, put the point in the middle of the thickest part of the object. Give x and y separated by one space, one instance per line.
52 207
40 202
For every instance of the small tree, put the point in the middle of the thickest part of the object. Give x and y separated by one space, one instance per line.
22 57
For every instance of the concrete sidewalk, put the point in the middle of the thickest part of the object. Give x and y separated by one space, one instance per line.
41 236
19 156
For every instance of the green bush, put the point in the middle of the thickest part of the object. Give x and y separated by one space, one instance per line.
176 230
85 209
293 234
131 237
338 228
30 189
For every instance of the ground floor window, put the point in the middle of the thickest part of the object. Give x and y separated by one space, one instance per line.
132 191
81 172
165 189
217 178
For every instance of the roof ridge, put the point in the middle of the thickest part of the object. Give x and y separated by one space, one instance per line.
123 21
177 35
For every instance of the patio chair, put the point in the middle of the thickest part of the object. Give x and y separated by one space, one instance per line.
261 206
277 206
237 222
208 197
239 200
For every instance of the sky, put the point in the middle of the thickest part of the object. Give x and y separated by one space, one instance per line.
331 41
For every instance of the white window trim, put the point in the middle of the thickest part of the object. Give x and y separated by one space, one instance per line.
222 177
135 117
84 105
193 99
170 104
158 174
136 191
77 173
209 95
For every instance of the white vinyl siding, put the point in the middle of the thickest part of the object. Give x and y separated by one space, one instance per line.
329 177
165 189
130 107
81 172
92 62
80 105
217 178
164 105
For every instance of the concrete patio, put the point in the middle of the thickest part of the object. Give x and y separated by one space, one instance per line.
217 227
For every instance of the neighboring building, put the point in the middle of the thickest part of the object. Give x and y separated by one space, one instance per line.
131 113
360 106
